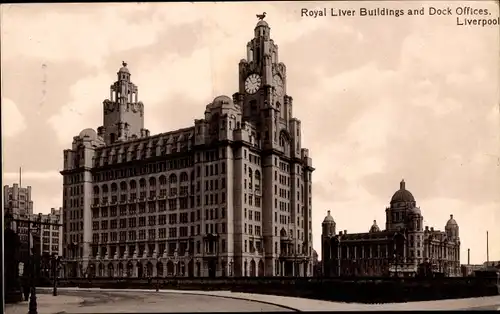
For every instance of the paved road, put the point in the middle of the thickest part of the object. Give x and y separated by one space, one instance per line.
139 302
95 300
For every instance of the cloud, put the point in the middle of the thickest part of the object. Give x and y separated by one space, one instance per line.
13 121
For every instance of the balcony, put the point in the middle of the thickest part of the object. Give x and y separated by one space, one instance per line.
152 198
257 191
132 200
114 202
172 196
184 193
94 205
104 203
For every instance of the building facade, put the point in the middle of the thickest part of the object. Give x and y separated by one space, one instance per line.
227 196
402 249
17 201
51 236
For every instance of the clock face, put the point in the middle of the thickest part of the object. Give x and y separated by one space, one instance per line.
252 83
278 85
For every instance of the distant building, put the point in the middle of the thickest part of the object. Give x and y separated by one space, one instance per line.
51 237
17 201
400 249
229 195
468 270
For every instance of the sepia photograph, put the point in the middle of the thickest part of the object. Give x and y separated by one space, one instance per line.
162 157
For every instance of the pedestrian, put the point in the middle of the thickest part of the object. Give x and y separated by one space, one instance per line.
26 287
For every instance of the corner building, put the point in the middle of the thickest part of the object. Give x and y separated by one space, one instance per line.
229 196
404 248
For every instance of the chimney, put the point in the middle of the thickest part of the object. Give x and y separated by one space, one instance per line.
468 256
340 232
345 231
432 228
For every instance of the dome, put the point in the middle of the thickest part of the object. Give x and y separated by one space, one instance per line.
451 222
374 227
262 23
328 218
415 211
90 133
222 100
402 195
124 68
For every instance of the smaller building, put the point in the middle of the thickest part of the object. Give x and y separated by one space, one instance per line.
403 248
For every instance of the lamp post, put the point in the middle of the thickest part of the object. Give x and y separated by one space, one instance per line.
56 260
158 261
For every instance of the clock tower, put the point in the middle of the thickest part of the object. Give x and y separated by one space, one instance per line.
262 87
285 168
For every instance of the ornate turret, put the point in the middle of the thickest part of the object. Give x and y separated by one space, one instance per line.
328 225
374 227
123 113
451 228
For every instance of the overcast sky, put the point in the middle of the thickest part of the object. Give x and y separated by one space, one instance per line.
380 98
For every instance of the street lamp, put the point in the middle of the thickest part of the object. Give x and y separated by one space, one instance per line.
56 260
158 261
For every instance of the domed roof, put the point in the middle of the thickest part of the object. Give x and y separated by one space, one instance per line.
328 218
451 222
262 23
90 133
374 227
124 68
222 99
402 195
415 211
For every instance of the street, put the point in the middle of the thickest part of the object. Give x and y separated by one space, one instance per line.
137 302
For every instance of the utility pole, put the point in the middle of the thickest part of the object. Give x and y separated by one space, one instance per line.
487 248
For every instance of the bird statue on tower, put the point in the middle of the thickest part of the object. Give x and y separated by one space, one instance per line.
261 16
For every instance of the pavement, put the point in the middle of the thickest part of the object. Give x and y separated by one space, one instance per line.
96 300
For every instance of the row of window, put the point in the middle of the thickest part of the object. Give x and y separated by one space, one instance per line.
160 233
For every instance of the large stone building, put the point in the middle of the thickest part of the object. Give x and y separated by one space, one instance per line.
227 196
401 249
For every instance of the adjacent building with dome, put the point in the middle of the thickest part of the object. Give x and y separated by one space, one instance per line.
229 195
403 248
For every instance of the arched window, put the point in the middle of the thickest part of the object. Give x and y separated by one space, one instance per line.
163 180
152 182
133 185
184 177
172 179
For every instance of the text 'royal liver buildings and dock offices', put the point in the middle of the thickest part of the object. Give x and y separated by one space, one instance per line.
229 196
